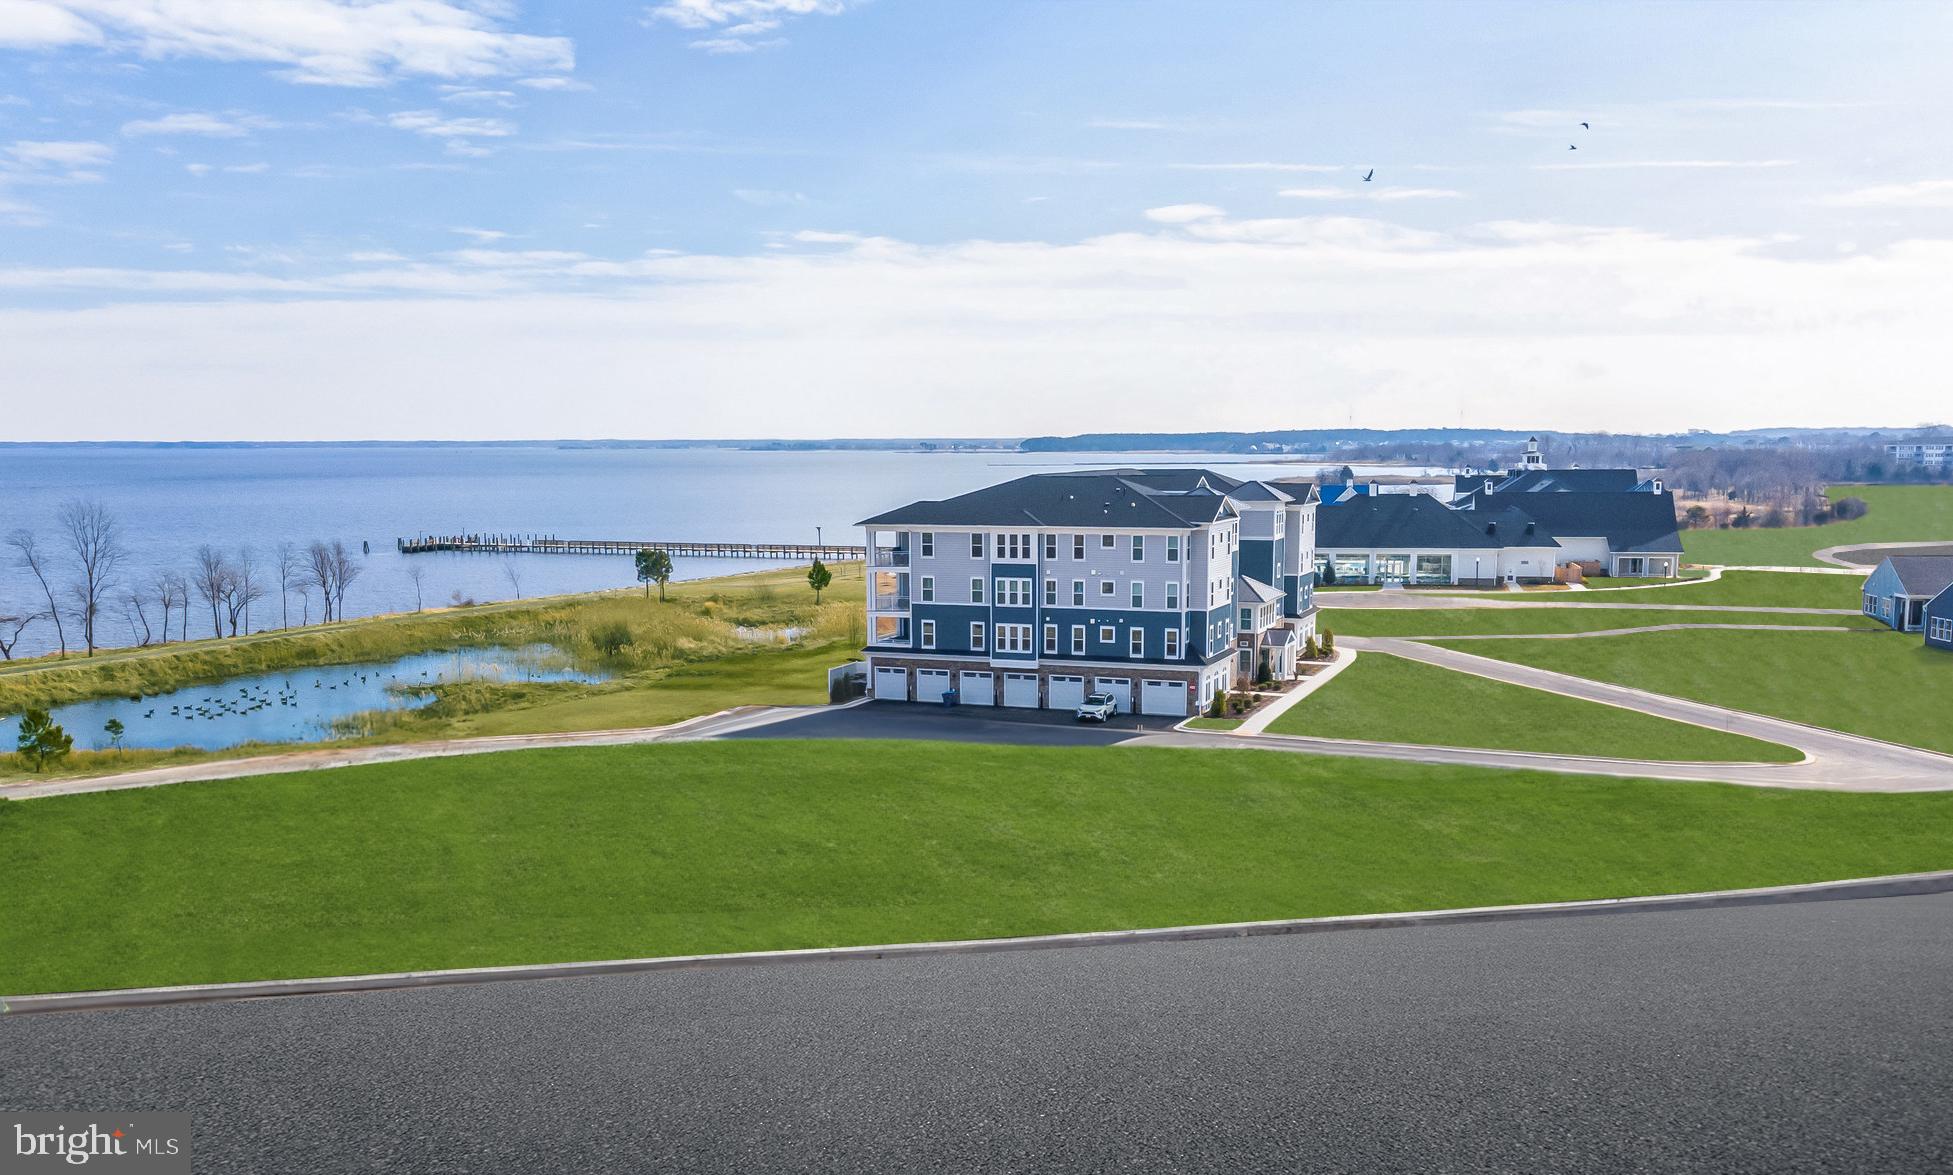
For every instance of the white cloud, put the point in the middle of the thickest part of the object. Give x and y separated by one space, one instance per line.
1372 193
1664 164
483 235
197 169
1263 165
1183 213
437 125
767 199
738 26
1531 324
552 83
322 42
1917 194
60 154
216 126
37 24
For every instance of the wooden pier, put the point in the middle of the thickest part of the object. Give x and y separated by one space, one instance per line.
535 544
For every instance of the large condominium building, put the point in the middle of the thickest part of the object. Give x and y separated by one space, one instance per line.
1156 586
1933 453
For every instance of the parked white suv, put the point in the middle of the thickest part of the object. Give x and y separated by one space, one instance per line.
1097 708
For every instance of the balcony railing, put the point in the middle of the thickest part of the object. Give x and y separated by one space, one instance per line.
890 556
891 603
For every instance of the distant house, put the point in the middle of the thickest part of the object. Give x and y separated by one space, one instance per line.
1899 590
1629 534
1931 452
1939 621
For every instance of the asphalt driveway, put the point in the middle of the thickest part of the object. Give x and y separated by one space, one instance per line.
976 724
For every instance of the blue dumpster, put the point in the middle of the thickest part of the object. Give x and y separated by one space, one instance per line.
949 697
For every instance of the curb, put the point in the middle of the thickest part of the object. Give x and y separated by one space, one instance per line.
1896 885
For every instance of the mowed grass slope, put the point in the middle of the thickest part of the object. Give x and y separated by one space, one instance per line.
1388 699
631 851
1736 589
1896 514
1883 684
1526 620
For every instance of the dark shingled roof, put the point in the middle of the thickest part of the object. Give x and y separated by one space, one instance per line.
1411 521
1923 575
1125 498
1246 587
1629 522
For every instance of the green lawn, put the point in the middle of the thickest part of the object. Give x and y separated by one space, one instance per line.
1514 621
629 851
1897 514
1213 723
1883 684
1388 699
1737 589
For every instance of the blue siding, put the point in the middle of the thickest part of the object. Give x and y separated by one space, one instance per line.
1262 559
1300 593
1880 586
1941 608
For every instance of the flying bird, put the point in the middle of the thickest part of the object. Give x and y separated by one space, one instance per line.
1572 147
1584 126
1368 174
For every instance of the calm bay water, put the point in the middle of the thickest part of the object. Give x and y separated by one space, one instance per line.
171 499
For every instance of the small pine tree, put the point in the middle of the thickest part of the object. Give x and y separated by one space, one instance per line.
818 577
1311 651
41 741
1329 575
115 730
653 566
1328 643
1218 707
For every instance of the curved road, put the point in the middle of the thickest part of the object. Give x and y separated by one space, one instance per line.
1813 1037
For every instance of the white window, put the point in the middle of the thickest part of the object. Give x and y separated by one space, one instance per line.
1108 541
928 634
1139 593
1172 595
1013 593
1015 547
1108 588
976 545
1942 628
1013 638
1050 593
1051 639
1173 548
1247 618
976 636
1136 642
928 588
1078 546
1078 640
928 544
1139 548
1050 547
976 589
1078 593
1108 635
1173 644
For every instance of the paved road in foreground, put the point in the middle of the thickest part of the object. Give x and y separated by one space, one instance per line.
1814 1037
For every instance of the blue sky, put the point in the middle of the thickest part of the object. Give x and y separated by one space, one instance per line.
815 217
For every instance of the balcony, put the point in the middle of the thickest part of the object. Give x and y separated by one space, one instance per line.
889 556
889 603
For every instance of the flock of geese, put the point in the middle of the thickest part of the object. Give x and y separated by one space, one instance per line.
251 699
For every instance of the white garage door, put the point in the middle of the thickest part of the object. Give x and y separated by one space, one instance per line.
1064 693
1119 687
1021 689
1165 698
978 689
931 684
892 685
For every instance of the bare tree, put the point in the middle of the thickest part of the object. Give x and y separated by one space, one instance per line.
96 541
319 568
10 629
513 574
212 581
28 550
138 619
418 574
171 591
289 567
344 572
305 604
245 588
